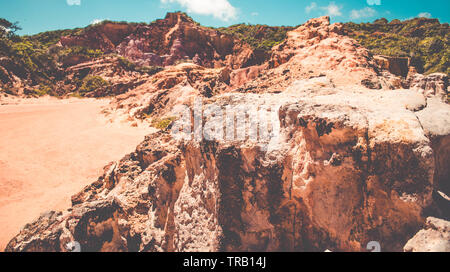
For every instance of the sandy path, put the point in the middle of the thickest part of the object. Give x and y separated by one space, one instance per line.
50 151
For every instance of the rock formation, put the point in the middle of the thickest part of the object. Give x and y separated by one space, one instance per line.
10 73
345 159
395 65
120 78
436 84
434 238
104 36
165 42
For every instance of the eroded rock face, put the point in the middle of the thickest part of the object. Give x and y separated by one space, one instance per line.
436 84
318 47
110 69
395 65
104 36
437 130
43 235
10 74
342 172
159 94
166 42
316 50
178 37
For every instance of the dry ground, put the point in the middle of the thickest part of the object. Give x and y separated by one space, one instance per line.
49 150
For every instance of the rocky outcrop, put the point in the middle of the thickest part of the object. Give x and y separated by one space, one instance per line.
341 172
434 238
436 84
300 57
395 65
178 37
240 77
103 36
318 47
174 86
166 42
10 73
314 50
120 78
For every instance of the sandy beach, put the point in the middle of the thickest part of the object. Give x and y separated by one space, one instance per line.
49 150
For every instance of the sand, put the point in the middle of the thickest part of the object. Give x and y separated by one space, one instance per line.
49 150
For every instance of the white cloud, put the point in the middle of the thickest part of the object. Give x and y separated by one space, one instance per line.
373 2
424 15
311 7
220 9
363 13
332 9
255 13
73 2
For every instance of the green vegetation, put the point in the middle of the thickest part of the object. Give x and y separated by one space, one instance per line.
425 41
93 83
131 66
8 29
37 58
79 51
259 37
162 123
151 70
127 64
50 38
43 90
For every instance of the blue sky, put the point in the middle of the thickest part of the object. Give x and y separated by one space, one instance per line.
36 16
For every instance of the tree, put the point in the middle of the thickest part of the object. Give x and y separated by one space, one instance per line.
8 29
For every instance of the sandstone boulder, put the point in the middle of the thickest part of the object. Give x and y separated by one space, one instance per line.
436 84
435 237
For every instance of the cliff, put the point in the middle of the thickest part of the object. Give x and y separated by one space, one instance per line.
318 148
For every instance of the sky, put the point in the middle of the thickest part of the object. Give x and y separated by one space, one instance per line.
36 16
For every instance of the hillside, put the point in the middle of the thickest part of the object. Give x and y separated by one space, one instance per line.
259 37
46 63
425 41
37 65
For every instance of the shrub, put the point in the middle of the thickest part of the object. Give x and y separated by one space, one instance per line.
425 41
259 37
93 83
127 64
79 51
131 66
43 90
151 70
162 123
